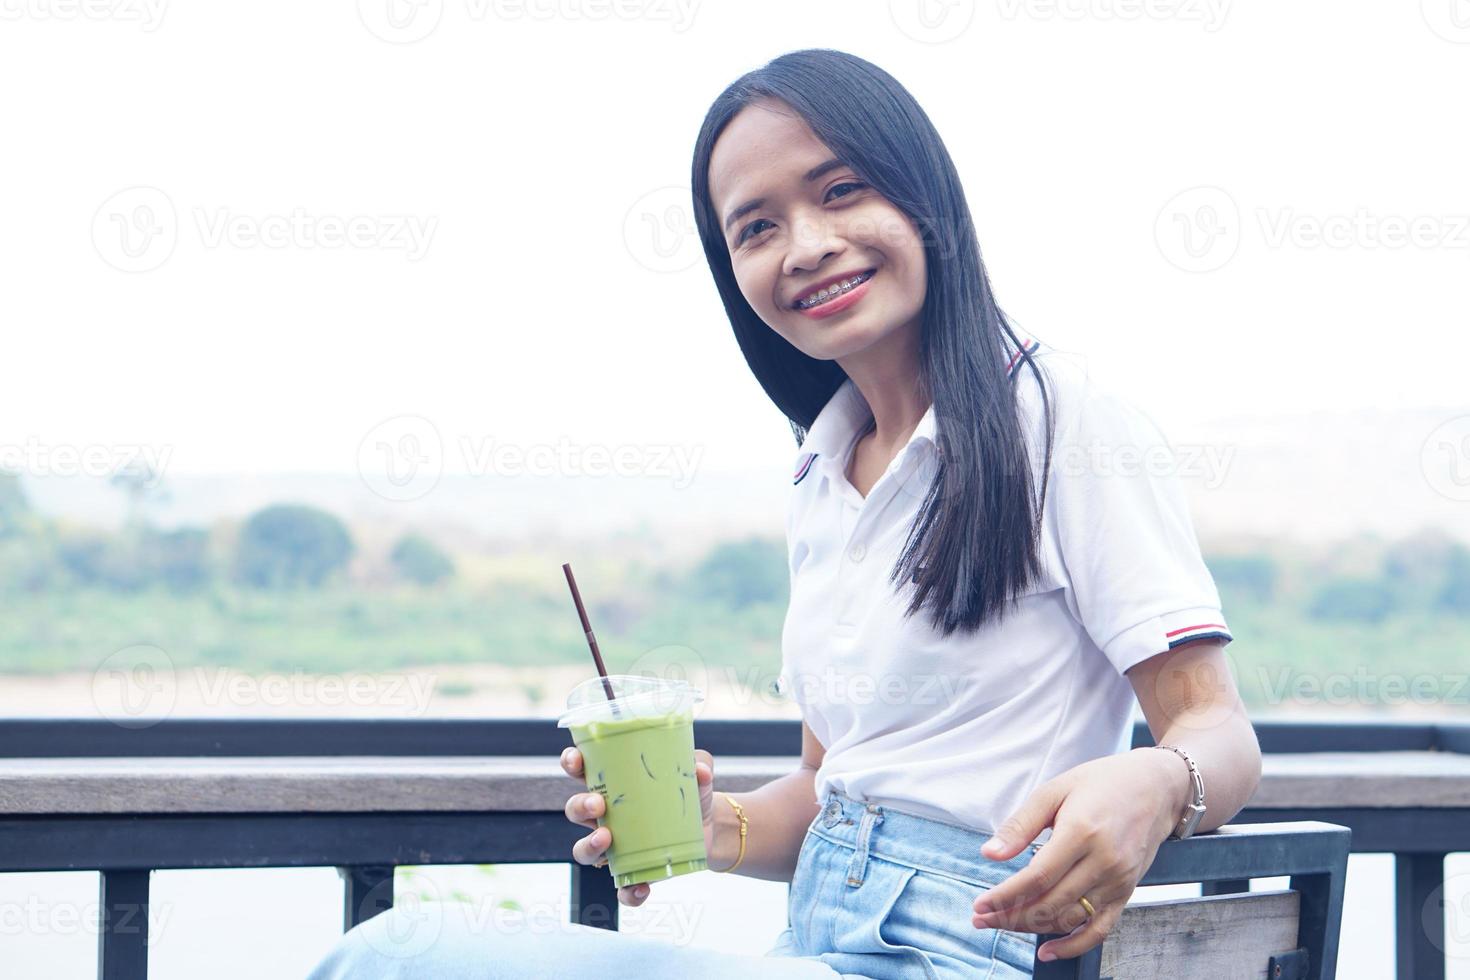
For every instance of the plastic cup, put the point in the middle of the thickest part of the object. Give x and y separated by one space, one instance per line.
638 752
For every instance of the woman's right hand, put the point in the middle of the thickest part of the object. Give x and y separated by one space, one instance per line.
583 809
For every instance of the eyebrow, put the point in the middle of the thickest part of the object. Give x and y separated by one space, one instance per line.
810 176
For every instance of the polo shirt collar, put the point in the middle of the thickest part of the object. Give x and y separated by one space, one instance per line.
839 421
847 411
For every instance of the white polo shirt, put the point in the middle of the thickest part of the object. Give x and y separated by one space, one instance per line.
963 729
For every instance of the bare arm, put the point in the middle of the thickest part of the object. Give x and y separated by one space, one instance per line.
777 814
1190 700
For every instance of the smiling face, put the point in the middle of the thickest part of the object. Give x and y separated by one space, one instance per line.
795 219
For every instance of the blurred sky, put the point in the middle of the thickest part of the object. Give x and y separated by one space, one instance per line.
534 146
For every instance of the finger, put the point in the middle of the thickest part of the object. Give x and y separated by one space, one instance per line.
634 895
571 761
1090 934
584 808
1040 876
1022 826
701 755
1058 909
590 849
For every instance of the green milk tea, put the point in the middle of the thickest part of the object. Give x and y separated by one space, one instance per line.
638 753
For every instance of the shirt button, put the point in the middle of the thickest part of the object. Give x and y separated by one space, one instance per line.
857 551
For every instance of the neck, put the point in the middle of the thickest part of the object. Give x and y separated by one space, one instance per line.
889 378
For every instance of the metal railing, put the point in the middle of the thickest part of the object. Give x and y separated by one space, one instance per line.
367 846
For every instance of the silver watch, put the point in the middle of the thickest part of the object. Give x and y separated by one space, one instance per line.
1196 808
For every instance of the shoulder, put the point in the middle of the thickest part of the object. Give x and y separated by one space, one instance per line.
1085 404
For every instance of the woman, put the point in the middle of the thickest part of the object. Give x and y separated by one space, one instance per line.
988 569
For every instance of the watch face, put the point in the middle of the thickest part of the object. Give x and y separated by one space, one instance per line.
1191 820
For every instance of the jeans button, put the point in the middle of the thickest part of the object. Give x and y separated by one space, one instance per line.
833 814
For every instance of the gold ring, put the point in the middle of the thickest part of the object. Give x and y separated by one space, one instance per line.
601 864
1088 906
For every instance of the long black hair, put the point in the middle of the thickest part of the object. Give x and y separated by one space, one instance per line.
973 548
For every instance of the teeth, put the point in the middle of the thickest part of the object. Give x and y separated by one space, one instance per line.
823 295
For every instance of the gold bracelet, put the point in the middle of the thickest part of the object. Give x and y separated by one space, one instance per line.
739 812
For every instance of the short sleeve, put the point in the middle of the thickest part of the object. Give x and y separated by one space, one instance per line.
1120 521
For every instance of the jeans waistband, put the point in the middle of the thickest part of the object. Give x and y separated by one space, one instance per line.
907 838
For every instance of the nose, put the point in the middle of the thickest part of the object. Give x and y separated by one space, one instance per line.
813 242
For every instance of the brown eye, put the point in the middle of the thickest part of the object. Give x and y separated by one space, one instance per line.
746 231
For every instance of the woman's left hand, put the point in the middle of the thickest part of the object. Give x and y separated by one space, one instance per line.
1108 818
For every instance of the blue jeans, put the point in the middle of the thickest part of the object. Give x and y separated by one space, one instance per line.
878 893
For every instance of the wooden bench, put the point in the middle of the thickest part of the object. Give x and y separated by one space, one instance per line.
1281 934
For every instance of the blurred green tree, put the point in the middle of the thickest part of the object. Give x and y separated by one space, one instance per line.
1358 600
291 545
742 573
420 560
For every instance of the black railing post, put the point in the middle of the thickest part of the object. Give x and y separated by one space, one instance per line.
1225 886
122 939
594 897
1418 924
367 890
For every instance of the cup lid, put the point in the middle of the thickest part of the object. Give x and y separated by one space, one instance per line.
634 696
